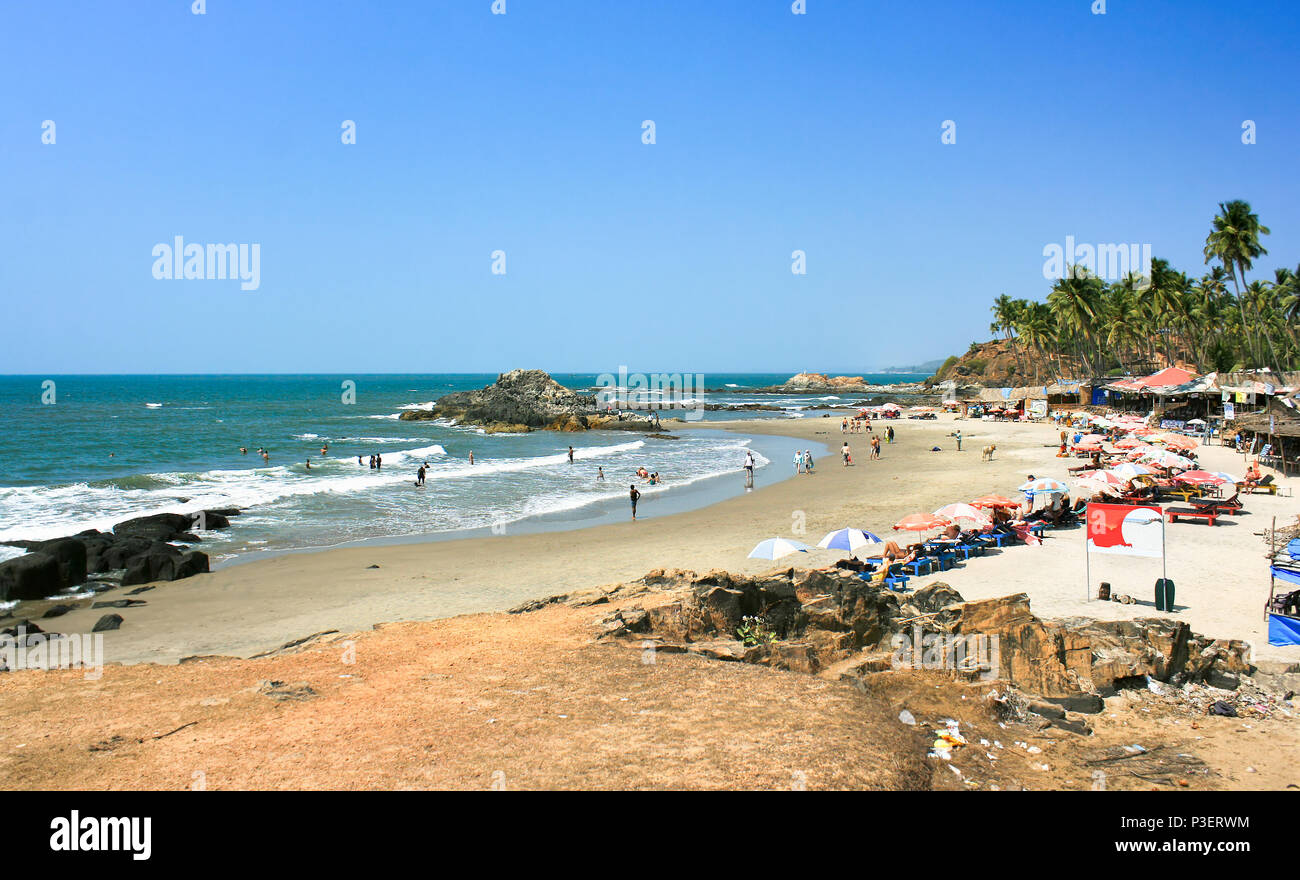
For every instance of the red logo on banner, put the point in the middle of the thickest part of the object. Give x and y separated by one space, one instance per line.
1126 529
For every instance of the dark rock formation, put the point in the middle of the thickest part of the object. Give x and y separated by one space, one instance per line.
527 400
33 576
139 546
107 622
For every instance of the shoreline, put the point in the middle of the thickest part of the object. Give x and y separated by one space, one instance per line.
253 607
602 511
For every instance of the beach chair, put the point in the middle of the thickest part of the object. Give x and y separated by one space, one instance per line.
1265 485
1222 506
920 562
1177 513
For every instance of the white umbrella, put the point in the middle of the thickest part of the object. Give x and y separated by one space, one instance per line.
775 548
1128 470
965 512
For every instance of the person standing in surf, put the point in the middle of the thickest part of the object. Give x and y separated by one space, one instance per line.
635 496
570 455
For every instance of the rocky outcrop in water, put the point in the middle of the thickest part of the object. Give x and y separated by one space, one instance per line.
528 400
831 621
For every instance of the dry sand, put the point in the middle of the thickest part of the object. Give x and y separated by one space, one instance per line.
1220 571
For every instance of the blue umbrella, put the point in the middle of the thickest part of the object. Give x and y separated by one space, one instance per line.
848 539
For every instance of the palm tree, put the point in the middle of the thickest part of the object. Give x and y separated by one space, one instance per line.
1075 302
1039 331
1234 242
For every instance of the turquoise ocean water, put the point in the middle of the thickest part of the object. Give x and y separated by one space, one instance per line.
105 448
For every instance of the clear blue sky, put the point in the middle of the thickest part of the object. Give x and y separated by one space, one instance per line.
522 132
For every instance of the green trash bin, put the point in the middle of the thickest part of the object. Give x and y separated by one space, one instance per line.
1164 594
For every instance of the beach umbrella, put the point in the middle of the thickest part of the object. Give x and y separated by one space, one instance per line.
1107 478
1099 486
1044 486
1128 443
1128 470
1201 477
1091 440
1197 422
1182 443
963 512
1139 451
921 522
775 548
994 501
848 539
1226 477
1166 459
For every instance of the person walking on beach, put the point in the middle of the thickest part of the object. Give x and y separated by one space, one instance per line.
889 433
958 436
635 496
798 461
875 447
845 455
807 461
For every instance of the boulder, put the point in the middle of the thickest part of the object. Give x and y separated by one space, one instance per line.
70 553
107 622
163 562
156 526
30 576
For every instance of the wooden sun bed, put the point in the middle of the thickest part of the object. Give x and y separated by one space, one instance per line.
1177 513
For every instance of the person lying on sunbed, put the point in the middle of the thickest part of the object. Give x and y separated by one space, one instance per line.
895 555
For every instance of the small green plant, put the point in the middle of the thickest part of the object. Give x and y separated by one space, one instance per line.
754 631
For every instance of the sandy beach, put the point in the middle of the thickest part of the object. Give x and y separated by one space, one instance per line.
249 608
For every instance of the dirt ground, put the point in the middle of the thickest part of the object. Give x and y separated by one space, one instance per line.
533 702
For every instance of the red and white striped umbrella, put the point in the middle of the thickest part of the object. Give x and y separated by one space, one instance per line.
1199 478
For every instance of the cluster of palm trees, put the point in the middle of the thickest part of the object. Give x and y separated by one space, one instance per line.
1089 327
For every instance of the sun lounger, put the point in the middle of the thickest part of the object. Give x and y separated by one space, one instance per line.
1177 513
1264 485
1222 506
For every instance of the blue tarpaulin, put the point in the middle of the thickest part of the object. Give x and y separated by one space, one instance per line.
1293 549
1286 574
1283 631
